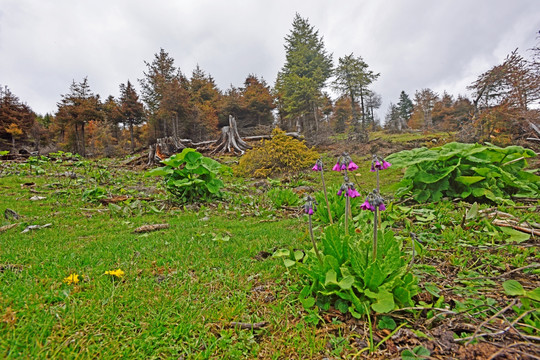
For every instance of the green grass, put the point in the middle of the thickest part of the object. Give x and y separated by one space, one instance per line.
183 286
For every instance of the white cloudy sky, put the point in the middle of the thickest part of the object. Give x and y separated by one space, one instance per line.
414 44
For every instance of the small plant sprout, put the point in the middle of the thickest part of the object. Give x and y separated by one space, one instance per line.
309 208
374 202
319 166
378 163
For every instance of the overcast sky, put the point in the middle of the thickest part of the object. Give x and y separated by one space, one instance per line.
413 44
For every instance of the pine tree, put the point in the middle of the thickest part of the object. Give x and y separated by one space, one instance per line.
405 106
131 109
303 76
353 79
76 109
16 118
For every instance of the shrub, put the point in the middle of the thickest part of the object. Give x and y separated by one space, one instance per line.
280 154
468 171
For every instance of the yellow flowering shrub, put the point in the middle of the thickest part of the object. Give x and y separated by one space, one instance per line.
281 154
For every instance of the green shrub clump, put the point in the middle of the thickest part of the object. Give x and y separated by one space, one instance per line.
472 172
281 154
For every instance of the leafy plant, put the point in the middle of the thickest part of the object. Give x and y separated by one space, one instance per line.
530 304
468 171
94 194
283 197
350 279
190 176
4 152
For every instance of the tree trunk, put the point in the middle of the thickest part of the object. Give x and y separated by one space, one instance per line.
131 135
82 140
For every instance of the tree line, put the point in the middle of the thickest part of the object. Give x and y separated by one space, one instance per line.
169 103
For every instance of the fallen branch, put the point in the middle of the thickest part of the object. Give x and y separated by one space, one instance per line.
35 227
7 227
148 228
520 227
503 331
249 326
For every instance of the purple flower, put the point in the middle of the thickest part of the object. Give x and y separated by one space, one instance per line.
337 167
343 167
316 168
382 207
340 191
352 166
385 165
310 211
352 193
367 206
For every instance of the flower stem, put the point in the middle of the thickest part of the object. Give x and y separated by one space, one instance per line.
378 190
375 227
326 197
313 240
347 207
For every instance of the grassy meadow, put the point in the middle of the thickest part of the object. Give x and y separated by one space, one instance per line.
207 286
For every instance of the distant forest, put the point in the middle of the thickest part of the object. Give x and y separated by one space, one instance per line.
504 102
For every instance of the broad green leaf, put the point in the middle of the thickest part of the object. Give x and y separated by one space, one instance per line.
289 262
298 255
160 171
472 213
281 253
385 302
331 278
533 294
386 322
513 288
468 180
515 235
346 283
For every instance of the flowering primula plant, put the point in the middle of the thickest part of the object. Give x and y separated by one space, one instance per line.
319 167
345 162
116 273
373 201
71 279
310 206
378 163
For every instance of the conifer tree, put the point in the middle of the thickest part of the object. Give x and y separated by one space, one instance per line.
303 76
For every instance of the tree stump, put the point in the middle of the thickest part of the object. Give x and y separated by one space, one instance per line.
163 148
230 140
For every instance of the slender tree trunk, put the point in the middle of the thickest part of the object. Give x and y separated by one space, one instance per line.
132 137
363 109
315 117
82 140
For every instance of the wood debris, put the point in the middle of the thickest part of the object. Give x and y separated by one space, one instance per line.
7 227
153 227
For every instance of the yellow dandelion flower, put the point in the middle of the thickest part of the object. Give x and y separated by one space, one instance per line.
72 279
116 273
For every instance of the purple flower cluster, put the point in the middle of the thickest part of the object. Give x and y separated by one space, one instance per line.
373 201
318 165
378 163
345 162
349 190
310 206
